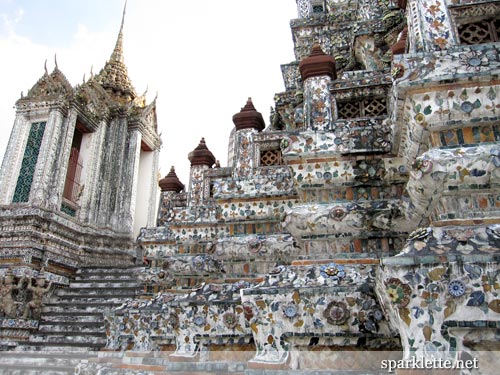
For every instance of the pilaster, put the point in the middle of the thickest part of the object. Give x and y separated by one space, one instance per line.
40 190
130 178
430 27
13 158
60 164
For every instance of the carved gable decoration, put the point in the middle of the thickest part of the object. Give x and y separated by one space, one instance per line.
54 84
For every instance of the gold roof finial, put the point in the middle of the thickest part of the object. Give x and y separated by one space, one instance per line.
114 75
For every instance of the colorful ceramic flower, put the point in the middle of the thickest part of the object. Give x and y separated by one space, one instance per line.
332 271
248 311
230 320
419 118
254 245
336 313
456 288
290 310
199 320
173 320
337 213
398 292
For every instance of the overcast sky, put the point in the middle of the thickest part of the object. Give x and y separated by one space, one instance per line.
203 58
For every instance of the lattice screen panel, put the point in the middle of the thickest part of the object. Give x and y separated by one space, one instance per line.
28 165
362 108
484 31
270 157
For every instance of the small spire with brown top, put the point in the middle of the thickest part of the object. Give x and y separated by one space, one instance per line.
249 118
201 155
171 182
317 64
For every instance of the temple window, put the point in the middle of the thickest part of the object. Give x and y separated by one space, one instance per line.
370 107
28 165
318 6
270 157
72 185
479 31
77 169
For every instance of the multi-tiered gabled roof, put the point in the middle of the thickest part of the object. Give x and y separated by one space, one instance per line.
50 85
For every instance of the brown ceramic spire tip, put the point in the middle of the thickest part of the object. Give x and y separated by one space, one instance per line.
248 118
318 63
316 50
201 155
248 106
171 182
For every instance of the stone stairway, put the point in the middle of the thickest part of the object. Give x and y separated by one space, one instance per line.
71 328
157 363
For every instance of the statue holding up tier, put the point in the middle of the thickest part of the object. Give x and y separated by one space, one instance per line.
38 291
8 305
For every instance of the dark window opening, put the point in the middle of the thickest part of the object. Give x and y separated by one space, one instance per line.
318 9
28 165
478 32
362 108
270 157
72 187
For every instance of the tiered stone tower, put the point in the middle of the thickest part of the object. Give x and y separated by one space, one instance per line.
348 222
78 181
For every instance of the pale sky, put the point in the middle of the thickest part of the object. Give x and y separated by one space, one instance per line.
203 58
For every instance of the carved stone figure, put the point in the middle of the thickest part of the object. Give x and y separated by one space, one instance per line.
35 305
7 287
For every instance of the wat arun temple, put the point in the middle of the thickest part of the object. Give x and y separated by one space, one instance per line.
355 229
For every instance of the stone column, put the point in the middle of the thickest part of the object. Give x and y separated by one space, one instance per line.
201 159
40 188
317 71
430 27
247 122
13 158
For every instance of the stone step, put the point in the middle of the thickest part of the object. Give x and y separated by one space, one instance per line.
315 372
71 316
89 272
36 370
42 359
61 346
107 283
140 367
81 308
70 335
95 298
207 367
71 327
105 292
105 278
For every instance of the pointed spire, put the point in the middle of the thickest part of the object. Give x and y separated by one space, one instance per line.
201 155
249 118
117 54
317 63
114 76
171 182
